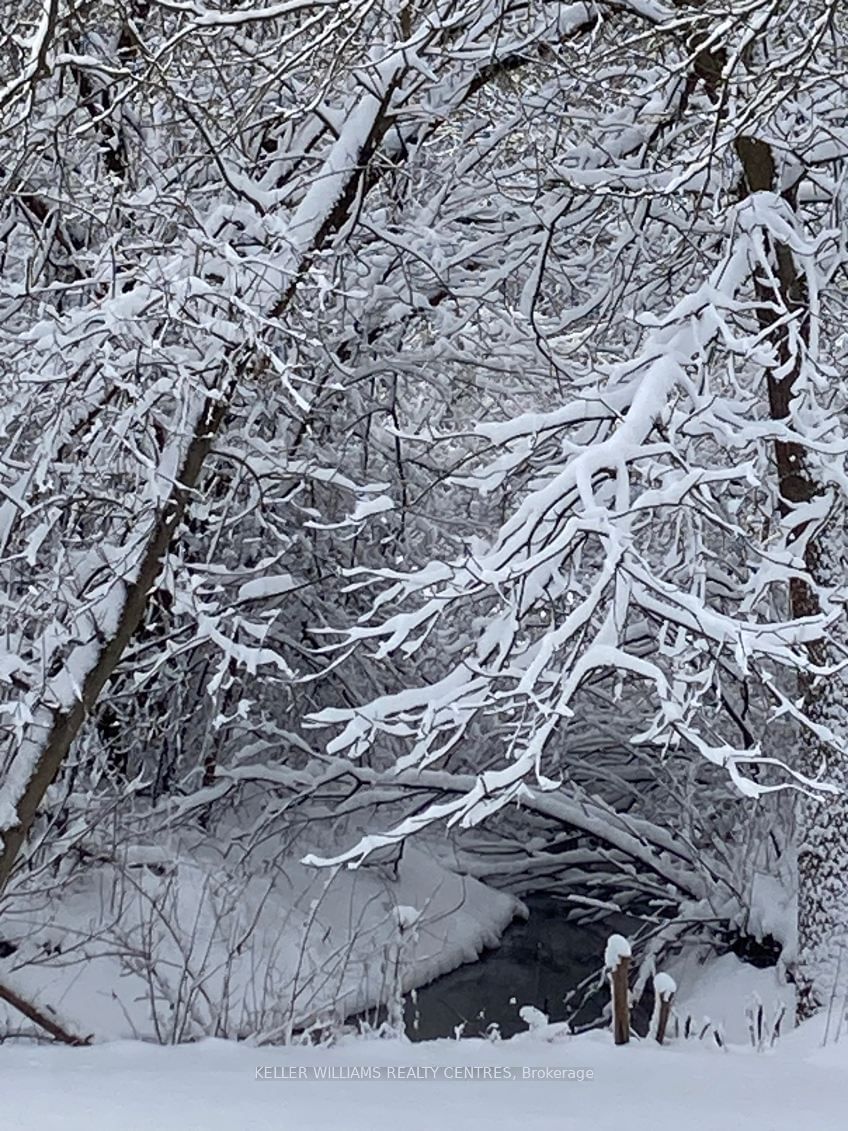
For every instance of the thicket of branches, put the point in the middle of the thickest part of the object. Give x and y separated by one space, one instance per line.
465 376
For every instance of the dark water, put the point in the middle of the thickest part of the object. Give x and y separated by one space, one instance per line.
537 963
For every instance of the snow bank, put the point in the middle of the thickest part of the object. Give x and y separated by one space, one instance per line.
723 989
257 954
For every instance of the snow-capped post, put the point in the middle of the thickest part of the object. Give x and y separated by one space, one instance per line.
617 962
664 991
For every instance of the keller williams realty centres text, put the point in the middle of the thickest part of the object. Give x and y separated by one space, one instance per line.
418 1072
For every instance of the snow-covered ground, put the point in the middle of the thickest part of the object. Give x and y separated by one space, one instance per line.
193 953
220 1086
723 989
542 1079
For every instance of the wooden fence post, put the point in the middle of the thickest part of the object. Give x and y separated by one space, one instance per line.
665 988
617 962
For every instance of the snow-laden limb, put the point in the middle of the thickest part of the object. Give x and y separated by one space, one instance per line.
646 540
147 356
47 717
251 13
35 50
105 587
603 493
653 848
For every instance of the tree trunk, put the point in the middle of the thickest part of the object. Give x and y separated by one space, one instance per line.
822 824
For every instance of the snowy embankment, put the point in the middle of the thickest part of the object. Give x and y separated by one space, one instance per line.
220 1086
188 952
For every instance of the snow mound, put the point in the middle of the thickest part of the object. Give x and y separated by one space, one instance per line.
186 952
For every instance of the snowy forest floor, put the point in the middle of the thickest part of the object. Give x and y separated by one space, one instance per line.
221 1086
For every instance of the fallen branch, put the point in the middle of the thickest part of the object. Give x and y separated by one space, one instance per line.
41 1019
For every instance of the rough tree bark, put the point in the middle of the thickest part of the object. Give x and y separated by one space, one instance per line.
822 823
